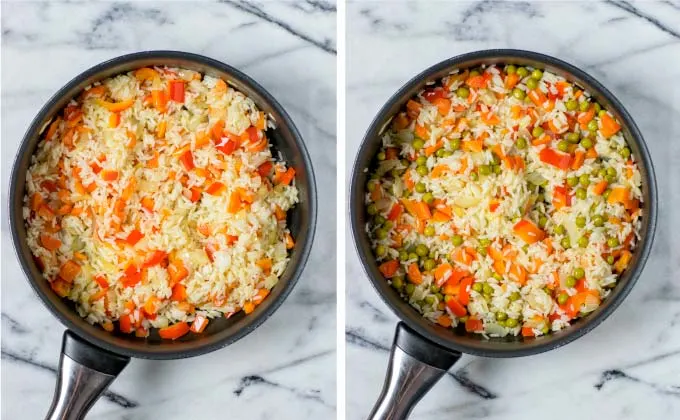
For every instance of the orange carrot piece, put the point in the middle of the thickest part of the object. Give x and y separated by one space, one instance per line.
528 231
414 274
199 324
389 268
609 125
174 331
600 187
579 157
49 243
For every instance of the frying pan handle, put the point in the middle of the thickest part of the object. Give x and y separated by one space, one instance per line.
416 364
85 371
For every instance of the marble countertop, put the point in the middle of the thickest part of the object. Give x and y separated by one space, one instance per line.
286 368
629 366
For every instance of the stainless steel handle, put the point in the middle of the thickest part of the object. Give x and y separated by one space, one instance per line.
415 365
85 371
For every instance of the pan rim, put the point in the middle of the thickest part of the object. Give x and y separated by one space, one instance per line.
488 348
177 350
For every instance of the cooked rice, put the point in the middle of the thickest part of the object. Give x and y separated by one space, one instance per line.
172 214
476 169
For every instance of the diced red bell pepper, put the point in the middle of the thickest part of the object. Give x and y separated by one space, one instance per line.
187 159
557 159
395 212
177 90
134 237
465 286
456 307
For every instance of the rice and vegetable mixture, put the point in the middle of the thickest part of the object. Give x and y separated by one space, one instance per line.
154 201
504 201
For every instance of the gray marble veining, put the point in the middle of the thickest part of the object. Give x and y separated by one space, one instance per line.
286 368
628 367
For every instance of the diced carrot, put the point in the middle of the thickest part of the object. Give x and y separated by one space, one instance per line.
537 97
444 321
290 243
474 146
461 256
114 119
544 139
395 212
413 108
555 158
623 261
174 331
618 195
265 264
36 201
101 281
456 307
609 125
414 274
422 210
400 122
234 202
600 187
148 203
177 271
389 268
151 305
179 293
125 323
116 106
187 160
430 150
579 157
146 73
477 82
134 237
518 273
107 326
587 116
528 231
69 271
440 216
561 197
443 105
474 325
511 80
49 243
199 324
220 86
528 332
131 276
216 188
248 307
284 178
109 175
490 118
160 100
421 131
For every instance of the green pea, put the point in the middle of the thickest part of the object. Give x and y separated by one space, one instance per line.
440 153
478 287
412 256
380 250
496 169
395 173
372 209
422 250
463 92
397 282
562 298
584 180
410 288
522 72
510 69
474 73
611 171
583 106
501 316
579 272
379 220
403 255
484 170
439 297
420 187
560 229
545 329
536 74
429 264
565 242
457 240
580 221
598 108
381 156
606 193
428 197
481 251
521 143
487 289
537 131
542 221
430 300
381 234
518 94
586 143
571 105
463 319
602 173
563 146
532 84
370 186
572 138
421 161
497 276
583 241
511 323
570 281
601 113
592 125
405 163
418 144
572 181
474 176
429 231
613 242
454 144
422 170
581 194
485 242
514 296
610 259
598 220
625 153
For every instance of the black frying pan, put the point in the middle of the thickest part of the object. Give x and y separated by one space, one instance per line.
422 352
91 357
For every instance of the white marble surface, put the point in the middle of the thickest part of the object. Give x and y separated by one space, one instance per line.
628 367
286 368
